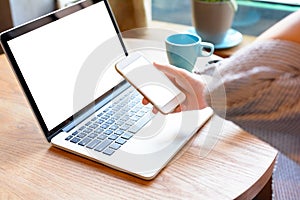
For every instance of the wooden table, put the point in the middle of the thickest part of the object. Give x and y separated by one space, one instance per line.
237 165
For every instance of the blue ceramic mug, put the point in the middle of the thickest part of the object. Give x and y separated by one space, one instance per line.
183 50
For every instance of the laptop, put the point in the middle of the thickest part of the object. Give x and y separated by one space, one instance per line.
64 62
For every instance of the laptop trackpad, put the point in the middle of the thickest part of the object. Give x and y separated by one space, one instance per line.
165 131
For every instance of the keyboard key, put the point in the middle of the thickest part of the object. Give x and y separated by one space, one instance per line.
104 126
130 122
139 107
109 151
103 145
88 130
119 132
116 108
92 144
102 136
146 109
140 113
106 110
81 135
113 137
92 135
115 146
108 132
105 117
127 136
75 133
110 121
117 116
85 141
100 121
135 118
114 127
114 118
81 128
135 110
125 118
136 101
93 126
69 137
75 140
123 104
124 127
142 122
121 141
110 112
119 123
94 119
99 130
131 114
88 123
131 105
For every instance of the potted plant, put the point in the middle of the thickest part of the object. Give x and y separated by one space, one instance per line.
213 18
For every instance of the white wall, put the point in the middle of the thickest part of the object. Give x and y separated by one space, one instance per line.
26 10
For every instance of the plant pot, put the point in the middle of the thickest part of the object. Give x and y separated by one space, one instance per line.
212 20
131 14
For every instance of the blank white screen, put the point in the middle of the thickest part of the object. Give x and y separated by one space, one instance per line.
51 56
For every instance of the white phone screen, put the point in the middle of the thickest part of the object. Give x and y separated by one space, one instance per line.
153 83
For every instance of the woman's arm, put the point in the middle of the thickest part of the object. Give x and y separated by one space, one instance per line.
262 87
287 29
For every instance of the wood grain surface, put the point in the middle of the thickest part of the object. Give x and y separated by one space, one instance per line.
223 163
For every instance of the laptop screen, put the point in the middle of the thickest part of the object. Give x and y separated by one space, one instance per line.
51 58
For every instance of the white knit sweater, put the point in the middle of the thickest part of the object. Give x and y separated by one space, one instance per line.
260 86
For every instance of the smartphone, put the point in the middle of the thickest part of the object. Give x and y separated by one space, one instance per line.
150 82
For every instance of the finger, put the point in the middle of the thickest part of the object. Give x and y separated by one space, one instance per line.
165 68
170 69
145 101
177 109
154 110
174 73
169 73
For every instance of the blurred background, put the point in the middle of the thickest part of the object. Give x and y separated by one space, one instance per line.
252 17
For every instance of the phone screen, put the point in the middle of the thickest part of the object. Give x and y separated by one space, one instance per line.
151 82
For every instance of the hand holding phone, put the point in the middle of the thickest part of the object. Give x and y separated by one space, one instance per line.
150 82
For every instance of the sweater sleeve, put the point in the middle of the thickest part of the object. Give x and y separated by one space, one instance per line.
260 86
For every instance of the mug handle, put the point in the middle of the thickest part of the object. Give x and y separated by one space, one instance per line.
206 45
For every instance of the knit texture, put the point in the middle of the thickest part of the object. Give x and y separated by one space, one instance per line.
261 84
262 92
286 179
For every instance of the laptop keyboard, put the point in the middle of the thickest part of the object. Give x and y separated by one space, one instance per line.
113 125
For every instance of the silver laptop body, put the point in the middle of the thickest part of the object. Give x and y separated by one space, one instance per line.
64 62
